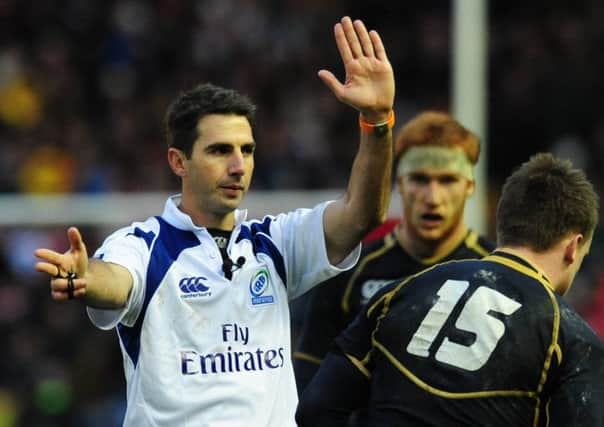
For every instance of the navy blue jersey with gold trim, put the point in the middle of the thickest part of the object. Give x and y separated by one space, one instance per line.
335 303
476 343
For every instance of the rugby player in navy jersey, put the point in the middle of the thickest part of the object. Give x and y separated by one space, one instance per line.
199 295
436 155
486 342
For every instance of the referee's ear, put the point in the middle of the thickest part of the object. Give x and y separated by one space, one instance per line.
176 160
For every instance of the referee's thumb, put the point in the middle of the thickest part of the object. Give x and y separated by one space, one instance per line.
331 82
75 239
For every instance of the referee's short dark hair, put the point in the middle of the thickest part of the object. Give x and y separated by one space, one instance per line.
184 113
543 201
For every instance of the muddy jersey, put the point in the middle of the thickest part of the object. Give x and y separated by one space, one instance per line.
333 305
477 343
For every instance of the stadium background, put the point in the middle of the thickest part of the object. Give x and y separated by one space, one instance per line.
83 88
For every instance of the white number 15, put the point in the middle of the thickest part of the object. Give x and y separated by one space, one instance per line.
474 317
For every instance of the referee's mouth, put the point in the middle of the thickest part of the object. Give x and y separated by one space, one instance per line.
232 190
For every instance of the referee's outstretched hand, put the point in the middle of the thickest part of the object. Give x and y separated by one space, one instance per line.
60 266
369 84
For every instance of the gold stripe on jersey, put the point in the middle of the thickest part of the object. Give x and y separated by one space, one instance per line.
386 298
554 347
395 290
307 357
362 364
359 365
558 351
448 394
533 272
547 416
470 241
389 241
536 413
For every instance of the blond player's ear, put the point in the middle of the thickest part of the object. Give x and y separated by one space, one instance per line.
399 183
470 188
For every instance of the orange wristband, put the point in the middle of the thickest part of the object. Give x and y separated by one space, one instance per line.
378 129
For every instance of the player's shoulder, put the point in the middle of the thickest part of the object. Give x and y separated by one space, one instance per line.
382 296
428 280
581 349
414 286
424 279
381 230
575 328
477 245
379 246
486 244
451 267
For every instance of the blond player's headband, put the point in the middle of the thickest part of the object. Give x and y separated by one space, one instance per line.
435 157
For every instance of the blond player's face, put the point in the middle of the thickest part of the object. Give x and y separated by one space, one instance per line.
433 202
220 169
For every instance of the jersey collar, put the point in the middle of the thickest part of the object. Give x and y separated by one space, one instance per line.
518 263
182 221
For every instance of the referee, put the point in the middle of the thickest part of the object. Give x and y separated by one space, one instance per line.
199 294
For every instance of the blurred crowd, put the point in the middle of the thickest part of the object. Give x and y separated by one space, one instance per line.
83 89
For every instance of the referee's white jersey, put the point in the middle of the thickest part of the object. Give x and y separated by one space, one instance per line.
199 349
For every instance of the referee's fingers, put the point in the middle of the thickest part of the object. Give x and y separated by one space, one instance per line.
63 296
46 267
59 288
49 256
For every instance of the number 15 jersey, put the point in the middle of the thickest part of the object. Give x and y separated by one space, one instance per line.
477 343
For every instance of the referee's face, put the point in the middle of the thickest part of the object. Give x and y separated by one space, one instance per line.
433 202
219 172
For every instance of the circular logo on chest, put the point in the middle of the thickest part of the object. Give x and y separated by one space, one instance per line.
259 284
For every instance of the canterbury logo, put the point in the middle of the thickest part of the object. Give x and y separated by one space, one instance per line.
192 284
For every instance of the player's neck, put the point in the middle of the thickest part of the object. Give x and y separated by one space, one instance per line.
547 263
430 250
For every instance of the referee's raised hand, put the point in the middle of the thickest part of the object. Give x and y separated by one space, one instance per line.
369 81
67 270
